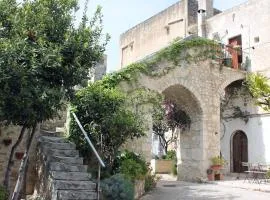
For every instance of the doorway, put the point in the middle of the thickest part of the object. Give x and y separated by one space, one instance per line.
235 49
239 151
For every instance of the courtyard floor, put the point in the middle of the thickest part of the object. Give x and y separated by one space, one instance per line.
222 190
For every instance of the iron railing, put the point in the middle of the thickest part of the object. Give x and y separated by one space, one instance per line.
101 163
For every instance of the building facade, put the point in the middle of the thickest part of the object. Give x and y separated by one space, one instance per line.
244 31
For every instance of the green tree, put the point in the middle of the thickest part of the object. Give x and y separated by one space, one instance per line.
103 110
43 55
259 88
169 117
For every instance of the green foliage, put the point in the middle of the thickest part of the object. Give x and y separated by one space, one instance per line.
174 53
43 56
174 169
168 116
3 193
217 160
133 166
103 111
117 187
259 88
171 155
268 174
150 182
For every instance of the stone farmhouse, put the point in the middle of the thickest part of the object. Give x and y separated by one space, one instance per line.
224 118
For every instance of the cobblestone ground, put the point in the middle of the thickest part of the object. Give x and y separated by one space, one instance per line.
175 190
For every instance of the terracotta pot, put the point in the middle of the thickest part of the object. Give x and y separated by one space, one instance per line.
211 177
7 141
216 167
19 155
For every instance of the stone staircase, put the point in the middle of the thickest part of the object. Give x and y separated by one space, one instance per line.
61 173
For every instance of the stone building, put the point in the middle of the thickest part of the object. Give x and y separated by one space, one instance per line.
243 31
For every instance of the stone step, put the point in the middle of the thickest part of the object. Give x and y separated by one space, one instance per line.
74 185
65 167
50 133
73 176
51 145
78 195
61 152
68 160
52 139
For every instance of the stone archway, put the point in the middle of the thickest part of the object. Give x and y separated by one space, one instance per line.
189 145
199 86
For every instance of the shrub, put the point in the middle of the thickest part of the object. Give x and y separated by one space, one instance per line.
163 157
171 155
3 193
133 166
117 187
103 110
218 160
150 182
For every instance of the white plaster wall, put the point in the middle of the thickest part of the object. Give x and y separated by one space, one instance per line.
257 131
250 19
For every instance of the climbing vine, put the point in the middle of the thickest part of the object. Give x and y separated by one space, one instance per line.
203 49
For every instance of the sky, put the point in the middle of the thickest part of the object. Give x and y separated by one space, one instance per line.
120 15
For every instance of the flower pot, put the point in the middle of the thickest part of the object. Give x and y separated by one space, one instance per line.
216 167
7 141
19 155
211 177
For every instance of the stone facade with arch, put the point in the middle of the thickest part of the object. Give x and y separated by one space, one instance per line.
196 88
206 84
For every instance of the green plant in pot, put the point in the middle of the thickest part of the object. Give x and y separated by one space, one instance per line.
217 162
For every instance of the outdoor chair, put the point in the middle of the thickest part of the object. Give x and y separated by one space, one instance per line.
256 173
248 172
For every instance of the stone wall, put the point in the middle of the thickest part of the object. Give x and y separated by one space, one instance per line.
153 34
12 133
196 88
162 166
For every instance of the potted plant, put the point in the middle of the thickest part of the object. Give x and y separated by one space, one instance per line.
210 175
217 163
7 141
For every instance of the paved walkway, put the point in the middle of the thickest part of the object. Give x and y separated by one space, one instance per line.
176 190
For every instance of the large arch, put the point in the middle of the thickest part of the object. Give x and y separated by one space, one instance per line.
197 86
190 143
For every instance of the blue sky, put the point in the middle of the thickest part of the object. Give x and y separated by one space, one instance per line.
120 15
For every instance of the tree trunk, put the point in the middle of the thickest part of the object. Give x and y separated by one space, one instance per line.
22 170
10 160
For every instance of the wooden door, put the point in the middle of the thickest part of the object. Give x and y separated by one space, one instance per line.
240 151
235 49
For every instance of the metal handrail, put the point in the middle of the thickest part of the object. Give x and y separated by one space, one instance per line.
88 140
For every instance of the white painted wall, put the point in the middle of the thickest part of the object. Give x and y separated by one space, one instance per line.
250 19
257 130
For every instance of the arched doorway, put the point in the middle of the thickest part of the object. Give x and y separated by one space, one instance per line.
189 145
239 151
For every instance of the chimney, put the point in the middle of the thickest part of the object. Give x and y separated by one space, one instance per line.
205 10
206 5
